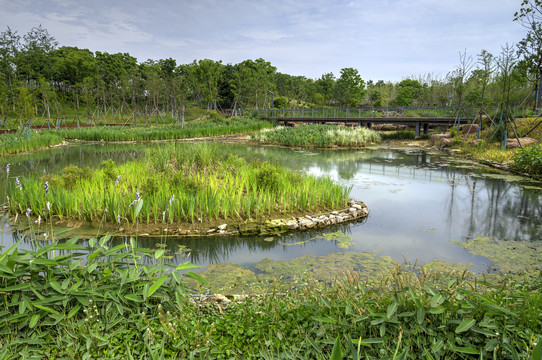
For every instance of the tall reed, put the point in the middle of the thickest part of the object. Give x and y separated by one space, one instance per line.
205 185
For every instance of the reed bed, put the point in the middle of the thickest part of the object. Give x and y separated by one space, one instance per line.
178 183
203 128
321 136
26 141
111 305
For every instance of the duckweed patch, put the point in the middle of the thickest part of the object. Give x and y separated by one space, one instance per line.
509 257
272 275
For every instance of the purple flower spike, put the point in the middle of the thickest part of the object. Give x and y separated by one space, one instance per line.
172 199
28 212
117 181
132 204
7 168
138 195
118 218
18 183
46 187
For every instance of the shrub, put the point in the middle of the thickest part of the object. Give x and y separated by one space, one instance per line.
108 167
268 177
71 175
280 102
529 160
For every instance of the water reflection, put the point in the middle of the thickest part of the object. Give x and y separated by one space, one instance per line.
419 201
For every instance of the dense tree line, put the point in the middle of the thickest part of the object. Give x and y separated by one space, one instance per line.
39 77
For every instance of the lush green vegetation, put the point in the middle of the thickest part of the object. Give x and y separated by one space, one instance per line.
204 128
529 160
25 141
113 306
317 136
177 183
398 135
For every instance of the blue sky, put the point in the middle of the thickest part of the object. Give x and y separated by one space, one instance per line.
383 39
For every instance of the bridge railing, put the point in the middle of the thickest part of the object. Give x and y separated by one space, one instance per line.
383 113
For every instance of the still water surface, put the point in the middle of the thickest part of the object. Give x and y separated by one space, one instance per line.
418 201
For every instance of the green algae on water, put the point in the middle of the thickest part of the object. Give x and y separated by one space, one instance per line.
509 257
272 275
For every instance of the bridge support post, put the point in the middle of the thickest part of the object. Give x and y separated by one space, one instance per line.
369 125
425 128
417 129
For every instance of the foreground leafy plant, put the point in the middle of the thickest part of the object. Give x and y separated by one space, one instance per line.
59 306
76 297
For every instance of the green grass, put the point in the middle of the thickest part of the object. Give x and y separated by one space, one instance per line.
317 136
398 135
207 186
204 128
23 141
55 305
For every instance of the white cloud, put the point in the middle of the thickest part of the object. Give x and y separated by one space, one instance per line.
383 39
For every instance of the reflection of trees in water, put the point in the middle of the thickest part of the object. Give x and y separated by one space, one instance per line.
495 208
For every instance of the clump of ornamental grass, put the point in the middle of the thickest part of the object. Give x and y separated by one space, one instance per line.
318 136
206 186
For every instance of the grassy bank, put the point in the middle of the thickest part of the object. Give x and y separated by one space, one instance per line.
205 128
26 141
317 136
54 305
182 183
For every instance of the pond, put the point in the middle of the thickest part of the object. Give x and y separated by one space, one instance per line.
421 202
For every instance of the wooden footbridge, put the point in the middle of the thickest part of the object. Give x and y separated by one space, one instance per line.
420 119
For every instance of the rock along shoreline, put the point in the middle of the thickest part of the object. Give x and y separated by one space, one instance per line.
356 210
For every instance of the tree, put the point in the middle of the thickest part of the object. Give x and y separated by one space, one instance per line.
326 84
208 73
459 76
530 47
350 87
408 90
34 58
9 49
72 65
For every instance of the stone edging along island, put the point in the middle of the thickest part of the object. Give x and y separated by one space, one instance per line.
356 210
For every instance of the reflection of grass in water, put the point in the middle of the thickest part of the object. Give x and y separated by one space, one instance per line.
510 257
343 241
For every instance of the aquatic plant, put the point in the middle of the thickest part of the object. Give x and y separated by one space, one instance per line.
196 184
203 128
21 142
317 136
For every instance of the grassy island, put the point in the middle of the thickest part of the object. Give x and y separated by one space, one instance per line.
189 183
26 141
322 136
214 126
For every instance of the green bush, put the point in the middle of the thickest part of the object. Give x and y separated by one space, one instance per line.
280 102
71 175
268 177
529 160
108 167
